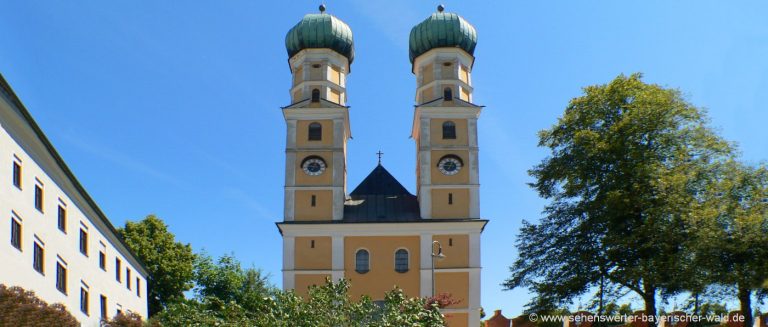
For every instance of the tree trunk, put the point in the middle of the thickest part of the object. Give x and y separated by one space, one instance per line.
745 300
649 297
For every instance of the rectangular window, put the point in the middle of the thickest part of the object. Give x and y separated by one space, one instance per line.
62 219
314 200
38 257
138 287
83 242
102 260
128 278
17 174
39 198
16 233
118 267
61 278
103 303
84 300
450 198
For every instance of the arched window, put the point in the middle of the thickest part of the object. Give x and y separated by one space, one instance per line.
315 131
362 262
315 95
401 260
449 130
448 94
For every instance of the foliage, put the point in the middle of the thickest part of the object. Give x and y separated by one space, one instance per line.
227 281
22 308
731 238
129 319
627 159
327 305
169 263
228 295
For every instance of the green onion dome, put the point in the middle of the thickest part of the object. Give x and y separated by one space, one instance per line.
442 30
317 31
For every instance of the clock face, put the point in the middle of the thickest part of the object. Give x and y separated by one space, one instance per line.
313 166
449 166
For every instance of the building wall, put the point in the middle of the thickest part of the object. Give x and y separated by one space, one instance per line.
456 250
302 133
304 281
462 177
382 276
456 319
450 203
324 178
313 253
436 130
19 143
322 210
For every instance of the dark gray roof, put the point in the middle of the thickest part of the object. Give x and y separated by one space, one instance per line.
381 198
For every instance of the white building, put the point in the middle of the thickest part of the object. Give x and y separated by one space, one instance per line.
54 239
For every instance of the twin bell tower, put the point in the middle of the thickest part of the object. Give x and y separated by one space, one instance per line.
380 236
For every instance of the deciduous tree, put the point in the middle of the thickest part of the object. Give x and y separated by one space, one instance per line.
626 161
169 263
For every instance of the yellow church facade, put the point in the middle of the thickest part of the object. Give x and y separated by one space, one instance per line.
379 235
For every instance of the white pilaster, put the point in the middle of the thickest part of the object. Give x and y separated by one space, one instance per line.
290 141
474 250
288 210
337 258
288 262
474 297
425 253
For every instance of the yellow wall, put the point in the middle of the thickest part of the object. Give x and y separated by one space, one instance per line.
455 283
425 96
460 178
382 276
323 179
464 75
428 74
304 281
303 209
456 320
464 94
334 74
436 132
307 257
334 96
302 133
456 255
441 208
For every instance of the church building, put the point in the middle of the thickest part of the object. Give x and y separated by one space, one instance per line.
379 235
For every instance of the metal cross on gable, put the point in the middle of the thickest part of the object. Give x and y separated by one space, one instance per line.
379 154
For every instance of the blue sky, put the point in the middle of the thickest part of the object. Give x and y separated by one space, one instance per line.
173 109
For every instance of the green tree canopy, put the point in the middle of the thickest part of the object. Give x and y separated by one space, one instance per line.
626 160
228 295
169 263
731 232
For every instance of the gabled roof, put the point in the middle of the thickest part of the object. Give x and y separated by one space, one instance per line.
381 198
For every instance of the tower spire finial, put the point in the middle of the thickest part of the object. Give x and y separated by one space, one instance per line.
322 8
440 8
379 154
